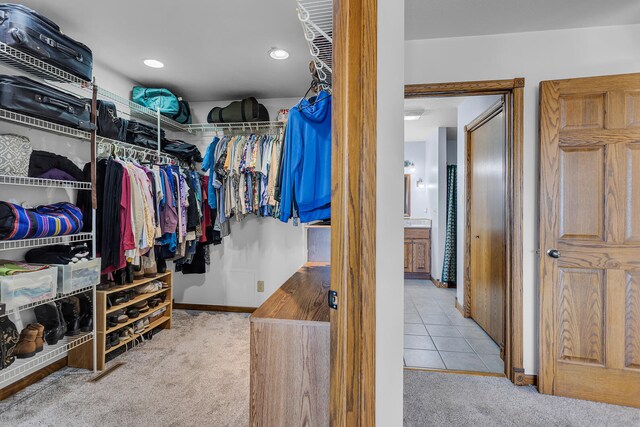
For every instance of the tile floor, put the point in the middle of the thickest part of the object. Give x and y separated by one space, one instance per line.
436 335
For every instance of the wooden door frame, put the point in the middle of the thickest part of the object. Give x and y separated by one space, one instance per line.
513 91
479 121
353 213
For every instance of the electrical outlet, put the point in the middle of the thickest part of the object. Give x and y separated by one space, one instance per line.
260 285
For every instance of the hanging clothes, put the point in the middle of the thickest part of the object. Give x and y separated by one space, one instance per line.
306 167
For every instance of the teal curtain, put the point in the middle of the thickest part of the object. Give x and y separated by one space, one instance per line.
450 242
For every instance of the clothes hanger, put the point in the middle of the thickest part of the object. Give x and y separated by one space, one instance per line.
316 86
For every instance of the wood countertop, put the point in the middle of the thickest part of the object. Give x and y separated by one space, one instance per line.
301 298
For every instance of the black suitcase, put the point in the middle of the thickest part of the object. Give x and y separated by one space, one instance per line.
142 135
28 97
247 110
24 29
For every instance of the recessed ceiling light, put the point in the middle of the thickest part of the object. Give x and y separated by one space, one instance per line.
153 63
276 53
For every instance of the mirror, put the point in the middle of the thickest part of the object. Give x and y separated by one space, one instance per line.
407 195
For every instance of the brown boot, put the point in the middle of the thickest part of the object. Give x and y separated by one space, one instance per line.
26 346
40 337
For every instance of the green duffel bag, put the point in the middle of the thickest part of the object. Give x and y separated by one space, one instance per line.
247 110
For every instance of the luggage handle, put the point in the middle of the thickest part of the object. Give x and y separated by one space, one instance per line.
55 102
65 49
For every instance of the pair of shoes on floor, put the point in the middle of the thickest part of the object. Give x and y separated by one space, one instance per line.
31 341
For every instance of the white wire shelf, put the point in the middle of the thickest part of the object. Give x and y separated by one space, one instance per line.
35 123
316 17
107 146
48 354
7 245
30 64
207 128
41 182
139 112
48 300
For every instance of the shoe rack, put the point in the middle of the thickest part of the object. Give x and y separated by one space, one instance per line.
102 311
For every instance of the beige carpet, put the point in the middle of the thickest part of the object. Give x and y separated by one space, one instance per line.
193 375
439 399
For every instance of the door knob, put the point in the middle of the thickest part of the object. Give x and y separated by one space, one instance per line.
553 253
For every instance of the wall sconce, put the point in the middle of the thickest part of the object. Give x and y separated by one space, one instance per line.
409 166
420 183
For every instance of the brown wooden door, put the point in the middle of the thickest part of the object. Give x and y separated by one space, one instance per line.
590 214
421 256
408 256
486 174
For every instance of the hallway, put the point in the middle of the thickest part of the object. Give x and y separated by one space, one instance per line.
437 336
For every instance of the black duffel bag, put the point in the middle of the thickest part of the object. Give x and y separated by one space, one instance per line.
182 150
247 110
109 124
143 135
184 114
24 29
28 97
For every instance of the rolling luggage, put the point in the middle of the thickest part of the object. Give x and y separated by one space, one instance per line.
247 110
25 30
142 135
25 96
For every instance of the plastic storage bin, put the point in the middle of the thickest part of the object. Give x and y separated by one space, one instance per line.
73 277
27 288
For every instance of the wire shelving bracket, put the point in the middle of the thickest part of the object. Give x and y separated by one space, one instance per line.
316 17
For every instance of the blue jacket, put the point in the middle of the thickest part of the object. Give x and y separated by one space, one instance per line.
208 165
306 174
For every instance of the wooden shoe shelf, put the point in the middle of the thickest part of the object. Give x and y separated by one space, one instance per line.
102 328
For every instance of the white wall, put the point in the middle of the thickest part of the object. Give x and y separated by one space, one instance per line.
536 56
389 221
468 110
257 249
416 152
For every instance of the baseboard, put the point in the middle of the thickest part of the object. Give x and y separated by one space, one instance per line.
459 308
531 380
451 371
206 307
31 379
442 285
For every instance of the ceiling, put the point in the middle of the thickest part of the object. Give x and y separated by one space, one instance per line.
212 50
217 50
427 19
438 112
